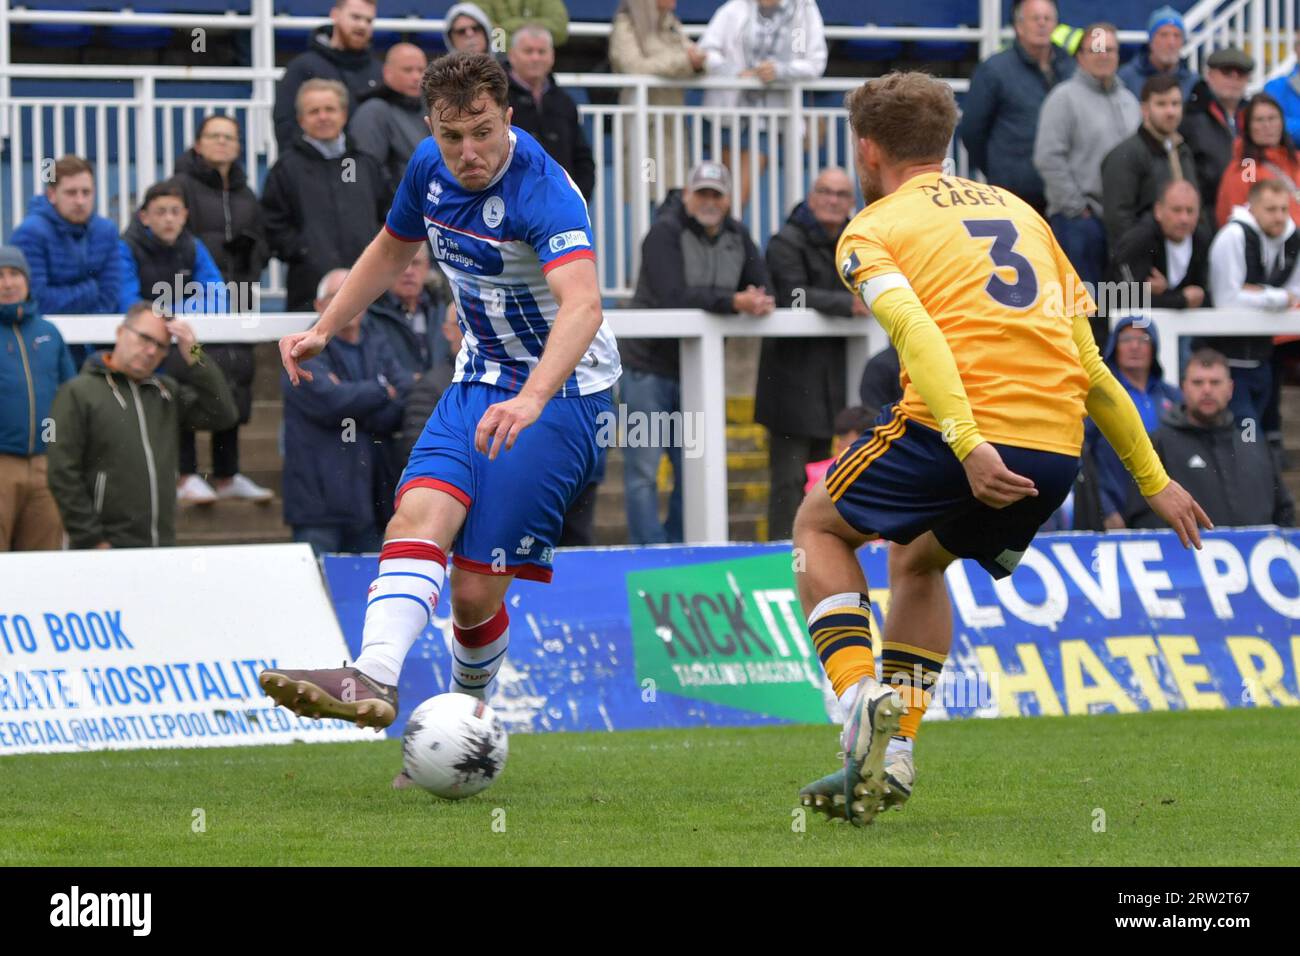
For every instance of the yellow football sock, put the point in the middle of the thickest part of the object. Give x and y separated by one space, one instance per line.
912 672
842 638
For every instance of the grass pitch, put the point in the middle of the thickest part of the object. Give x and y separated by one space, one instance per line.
1204 788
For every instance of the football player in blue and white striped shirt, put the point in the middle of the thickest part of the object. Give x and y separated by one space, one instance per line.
510 231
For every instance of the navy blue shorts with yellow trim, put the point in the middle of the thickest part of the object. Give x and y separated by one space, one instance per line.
901 479
516 503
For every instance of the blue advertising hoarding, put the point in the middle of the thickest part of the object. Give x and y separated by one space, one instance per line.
679 636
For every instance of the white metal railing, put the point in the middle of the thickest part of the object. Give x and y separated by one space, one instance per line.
1266 29
704 478
792 143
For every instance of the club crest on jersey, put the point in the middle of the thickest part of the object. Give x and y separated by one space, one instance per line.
569 240
434 195
494 210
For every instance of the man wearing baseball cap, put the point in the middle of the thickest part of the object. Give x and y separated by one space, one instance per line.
1213 116
34 362
695 256
1162 54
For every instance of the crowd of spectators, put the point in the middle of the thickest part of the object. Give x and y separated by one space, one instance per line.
1148 173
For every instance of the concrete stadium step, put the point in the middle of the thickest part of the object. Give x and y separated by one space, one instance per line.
744 461
749 437
740 409
741 493
196 539
225 514
267 371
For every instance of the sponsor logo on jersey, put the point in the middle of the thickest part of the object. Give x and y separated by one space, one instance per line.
525 544
494 210
569 240
447 249
849 266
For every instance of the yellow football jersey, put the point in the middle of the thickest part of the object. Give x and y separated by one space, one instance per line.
994 279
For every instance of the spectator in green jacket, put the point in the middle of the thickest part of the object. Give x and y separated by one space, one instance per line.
510 15
113 455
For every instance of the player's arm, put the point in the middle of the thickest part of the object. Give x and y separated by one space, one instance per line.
1117 417
577 292
376 270
927 358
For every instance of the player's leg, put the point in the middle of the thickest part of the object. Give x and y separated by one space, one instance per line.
833 592
412 569
917 637
481 628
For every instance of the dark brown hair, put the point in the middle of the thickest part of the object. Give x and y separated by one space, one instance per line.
911 116
70 165
1206 358
207 120
1251 149
1160 83
167 188
453 83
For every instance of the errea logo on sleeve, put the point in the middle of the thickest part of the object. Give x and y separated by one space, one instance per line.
569 240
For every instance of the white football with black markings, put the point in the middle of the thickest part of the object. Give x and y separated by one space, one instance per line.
454 746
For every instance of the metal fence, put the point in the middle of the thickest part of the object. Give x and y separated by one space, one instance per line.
133 133
702 335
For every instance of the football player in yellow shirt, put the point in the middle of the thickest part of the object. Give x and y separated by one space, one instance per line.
999 367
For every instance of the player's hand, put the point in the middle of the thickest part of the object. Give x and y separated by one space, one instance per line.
860 307
1194 295
766 71
697 57
1159 284
1181 512
300 347
992 482
502 423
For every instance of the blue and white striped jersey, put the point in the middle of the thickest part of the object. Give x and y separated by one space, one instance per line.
495 246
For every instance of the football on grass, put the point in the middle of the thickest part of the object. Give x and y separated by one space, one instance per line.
454 745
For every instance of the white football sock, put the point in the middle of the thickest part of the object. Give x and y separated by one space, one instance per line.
897 744
478 653
402 599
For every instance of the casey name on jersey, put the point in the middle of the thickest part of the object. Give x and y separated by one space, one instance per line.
947 193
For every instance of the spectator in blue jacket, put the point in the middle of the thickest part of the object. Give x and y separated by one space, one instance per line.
164 263
1286 90
1133 354
75 267
1163 53
34 362
1000 112
337 425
